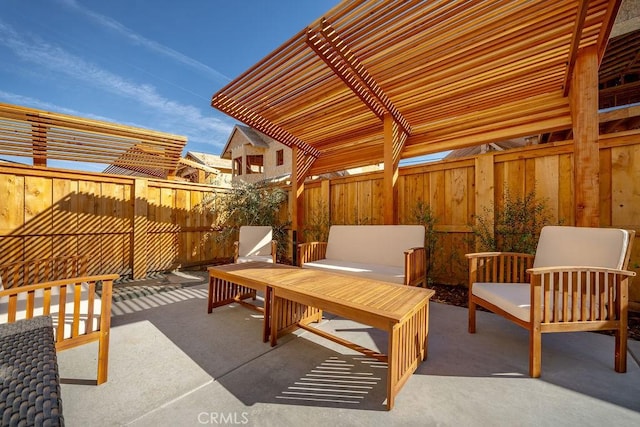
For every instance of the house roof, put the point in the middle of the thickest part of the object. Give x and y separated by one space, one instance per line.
252 137
451 74
211 160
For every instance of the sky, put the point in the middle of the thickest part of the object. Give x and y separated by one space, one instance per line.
152 64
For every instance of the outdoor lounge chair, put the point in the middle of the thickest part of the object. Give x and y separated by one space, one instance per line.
255 243
577 281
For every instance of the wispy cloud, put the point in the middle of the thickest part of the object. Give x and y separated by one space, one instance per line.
152 45
183 119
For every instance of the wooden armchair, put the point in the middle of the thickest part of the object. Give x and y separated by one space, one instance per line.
60 288
255 243
577 281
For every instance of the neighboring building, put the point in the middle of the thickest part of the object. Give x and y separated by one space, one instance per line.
205 168
194 167
255 156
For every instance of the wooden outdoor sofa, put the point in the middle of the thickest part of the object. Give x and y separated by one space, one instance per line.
577 281
390 253
60 288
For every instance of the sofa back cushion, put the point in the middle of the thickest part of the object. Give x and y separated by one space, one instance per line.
582 246
254 240
373 244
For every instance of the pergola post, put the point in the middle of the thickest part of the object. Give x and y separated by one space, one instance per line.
296 200
391 160
583 96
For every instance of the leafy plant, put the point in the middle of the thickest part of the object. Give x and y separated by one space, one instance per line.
516 226
423 214
317 224
250 204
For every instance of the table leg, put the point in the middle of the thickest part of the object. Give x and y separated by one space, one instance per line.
266 325
275 319
210 302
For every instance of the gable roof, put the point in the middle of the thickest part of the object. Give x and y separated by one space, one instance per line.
252 136
451 74
210 160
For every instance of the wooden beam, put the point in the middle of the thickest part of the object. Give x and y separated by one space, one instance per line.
586 160
575 43
256 121
355 68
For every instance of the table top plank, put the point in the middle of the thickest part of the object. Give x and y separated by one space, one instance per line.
338 293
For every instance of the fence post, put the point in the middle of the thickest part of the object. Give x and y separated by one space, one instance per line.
140 228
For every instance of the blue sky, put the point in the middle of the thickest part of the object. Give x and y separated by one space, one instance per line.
147 63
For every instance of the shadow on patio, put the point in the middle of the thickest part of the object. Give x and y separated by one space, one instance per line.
171 363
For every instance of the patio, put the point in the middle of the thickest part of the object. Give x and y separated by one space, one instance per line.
173 364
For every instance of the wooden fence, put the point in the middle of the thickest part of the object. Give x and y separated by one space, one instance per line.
125 225
135 226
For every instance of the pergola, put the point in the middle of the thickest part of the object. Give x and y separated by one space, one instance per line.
378 81
43 136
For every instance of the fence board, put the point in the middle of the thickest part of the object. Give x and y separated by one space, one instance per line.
12 208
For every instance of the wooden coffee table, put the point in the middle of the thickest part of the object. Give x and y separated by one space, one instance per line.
296 297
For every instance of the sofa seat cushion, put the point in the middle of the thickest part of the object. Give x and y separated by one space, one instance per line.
383 273
515 299
84 323
254 258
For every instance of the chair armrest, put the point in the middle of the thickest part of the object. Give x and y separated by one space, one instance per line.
499 267
311 251
415 267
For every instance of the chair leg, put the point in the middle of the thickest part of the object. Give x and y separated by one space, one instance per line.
621 349
535 352
472 317
103 357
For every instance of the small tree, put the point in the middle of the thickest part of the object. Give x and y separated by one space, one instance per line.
423 215
318 223
517 224
250 204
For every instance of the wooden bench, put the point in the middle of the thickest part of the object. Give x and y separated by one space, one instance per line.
60 288
390 253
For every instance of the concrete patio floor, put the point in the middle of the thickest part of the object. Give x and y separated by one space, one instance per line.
172 364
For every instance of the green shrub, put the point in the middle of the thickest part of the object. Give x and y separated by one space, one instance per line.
423 215
250 204
517 224
317 224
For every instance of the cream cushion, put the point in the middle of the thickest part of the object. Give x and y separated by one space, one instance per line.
581 246
255 241
55 297
373 244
